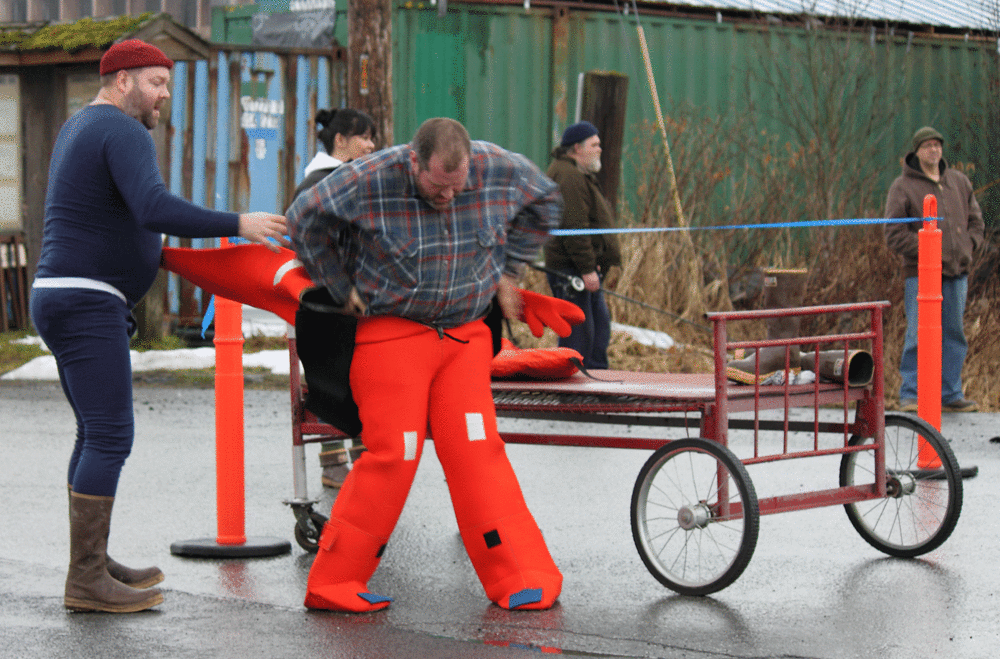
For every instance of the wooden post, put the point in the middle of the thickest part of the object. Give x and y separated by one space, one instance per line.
287 172
190 310
604 99
149 312
369 65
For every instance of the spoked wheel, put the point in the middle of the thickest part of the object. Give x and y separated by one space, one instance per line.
923 488
307 532
694 516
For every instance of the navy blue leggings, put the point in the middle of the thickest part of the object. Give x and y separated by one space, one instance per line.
591 337
88 332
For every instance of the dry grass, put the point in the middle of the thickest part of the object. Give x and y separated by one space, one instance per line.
15 355
982 327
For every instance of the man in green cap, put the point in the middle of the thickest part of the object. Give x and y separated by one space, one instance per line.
925 171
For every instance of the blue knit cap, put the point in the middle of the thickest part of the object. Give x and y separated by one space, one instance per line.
578 133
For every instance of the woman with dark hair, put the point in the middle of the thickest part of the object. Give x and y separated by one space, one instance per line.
346 134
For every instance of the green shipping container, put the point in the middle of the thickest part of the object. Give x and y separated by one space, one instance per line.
511 75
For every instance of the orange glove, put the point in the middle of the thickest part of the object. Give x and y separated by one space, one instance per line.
248 274
541 311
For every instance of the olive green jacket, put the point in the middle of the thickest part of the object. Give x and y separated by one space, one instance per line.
584 207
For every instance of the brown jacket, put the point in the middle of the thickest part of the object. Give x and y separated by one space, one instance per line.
962 220
585 207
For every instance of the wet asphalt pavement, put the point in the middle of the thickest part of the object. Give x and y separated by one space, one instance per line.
814 588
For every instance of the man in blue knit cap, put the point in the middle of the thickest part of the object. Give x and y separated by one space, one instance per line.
575 163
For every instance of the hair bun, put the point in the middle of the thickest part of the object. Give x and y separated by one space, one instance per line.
324 117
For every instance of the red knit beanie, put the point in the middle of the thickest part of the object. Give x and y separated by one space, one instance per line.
133 54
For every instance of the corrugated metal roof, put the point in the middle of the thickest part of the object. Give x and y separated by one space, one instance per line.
958 14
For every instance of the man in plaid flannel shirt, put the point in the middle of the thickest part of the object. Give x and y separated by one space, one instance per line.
416 241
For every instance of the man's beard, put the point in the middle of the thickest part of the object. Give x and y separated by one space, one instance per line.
594 166
133 108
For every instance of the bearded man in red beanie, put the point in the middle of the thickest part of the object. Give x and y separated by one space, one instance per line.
105 212
416 241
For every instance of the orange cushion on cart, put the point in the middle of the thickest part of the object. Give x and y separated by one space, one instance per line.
513 363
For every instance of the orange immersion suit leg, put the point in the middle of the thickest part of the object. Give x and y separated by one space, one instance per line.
500 535
393 413
403 374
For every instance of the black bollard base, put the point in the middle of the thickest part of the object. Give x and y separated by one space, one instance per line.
969 472
252 548
938 474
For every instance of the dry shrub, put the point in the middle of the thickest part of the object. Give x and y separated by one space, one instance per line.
982 326
643 258
627 354
850 264
853 264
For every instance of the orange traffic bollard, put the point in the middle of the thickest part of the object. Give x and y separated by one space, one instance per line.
229 465
929 329
230 494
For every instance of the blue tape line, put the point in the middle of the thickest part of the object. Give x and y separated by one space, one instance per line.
770 225
210 309
209 316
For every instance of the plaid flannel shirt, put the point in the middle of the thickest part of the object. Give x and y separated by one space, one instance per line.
365 225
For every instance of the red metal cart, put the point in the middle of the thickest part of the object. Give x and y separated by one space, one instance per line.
695 513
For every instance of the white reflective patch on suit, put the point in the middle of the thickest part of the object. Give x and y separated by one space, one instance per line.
410 445
285 268
474 426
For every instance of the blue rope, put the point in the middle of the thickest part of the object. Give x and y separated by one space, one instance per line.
770 225
210 311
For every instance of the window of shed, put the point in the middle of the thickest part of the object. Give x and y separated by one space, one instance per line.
10 153
18 11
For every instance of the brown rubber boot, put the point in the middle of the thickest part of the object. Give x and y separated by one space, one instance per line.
783 289
336 461
89 587
133 577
